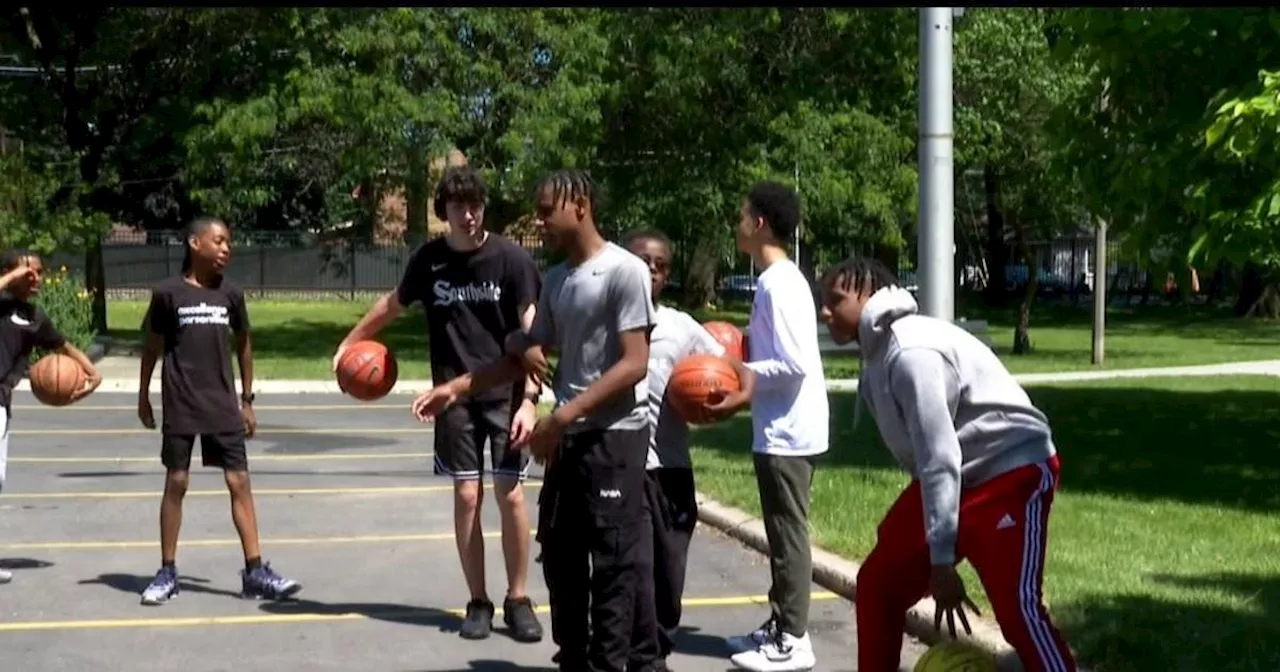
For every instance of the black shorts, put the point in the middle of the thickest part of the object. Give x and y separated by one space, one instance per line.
460 436
225 450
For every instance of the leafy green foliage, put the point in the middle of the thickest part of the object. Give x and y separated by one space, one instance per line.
69 306
32 213
1243 223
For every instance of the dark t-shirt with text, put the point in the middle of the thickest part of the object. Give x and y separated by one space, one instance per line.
23 327
198 324
472 300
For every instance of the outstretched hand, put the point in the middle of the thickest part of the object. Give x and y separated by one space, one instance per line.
949 595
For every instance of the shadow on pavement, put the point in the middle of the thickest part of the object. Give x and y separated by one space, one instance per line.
136 583
391 613
24 563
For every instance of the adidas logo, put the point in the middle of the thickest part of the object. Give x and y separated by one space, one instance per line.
1005 523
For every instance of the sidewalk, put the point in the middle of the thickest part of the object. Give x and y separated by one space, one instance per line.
120 374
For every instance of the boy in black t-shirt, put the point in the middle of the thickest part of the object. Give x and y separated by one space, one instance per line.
190 321
476 288
24 327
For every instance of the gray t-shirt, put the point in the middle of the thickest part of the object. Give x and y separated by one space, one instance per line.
582 311
676 335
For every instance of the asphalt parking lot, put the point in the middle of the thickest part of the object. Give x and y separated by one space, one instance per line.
347 504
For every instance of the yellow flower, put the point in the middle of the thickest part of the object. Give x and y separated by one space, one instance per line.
63 270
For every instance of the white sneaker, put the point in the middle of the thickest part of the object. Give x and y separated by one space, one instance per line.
785 653
5 576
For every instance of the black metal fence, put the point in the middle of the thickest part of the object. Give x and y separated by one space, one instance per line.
300 265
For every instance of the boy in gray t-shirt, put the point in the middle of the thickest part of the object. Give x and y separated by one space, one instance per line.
595 310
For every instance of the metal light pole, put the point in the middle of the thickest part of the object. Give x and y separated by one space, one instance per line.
936 254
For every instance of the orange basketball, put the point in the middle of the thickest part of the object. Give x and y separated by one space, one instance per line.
55 378
367 371
697 380
729 336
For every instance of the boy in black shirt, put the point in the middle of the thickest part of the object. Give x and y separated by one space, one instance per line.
476 288
190 320
24 327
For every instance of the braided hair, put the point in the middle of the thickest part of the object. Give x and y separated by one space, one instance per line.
861 275
195 228
571 185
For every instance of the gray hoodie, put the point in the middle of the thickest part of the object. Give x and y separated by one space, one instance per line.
946 406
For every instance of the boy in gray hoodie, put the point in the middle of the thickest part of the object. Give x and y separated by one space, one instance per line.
984 470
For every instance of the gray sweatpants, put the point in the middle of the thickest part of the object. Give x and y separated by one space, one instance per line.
784 484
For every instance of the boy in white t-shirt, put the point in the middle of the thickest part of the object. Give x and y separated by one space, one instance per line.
789 417
670 491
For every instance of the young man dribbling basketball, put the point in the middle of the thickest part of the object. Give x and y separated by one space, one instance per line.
789 417
595 310
983 464
476 287
671 493
24 327
191 321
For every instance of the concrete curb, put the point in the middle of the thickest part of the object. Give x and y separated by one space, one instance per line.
840 576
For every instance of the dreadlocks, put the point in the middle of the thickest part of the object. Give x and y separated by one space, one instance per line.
570 185
861 275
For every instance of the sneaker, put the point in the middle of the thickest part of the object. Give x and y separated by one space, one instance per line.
262 583
519 617
782 652
163 588
479 620
5 576
754 639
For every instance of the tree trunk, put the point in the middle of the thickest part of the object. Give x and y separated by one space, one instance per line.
1022 332
700 283
1267 305
997 249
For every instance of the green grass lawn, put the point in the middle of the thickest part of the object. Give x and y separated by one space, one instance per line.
1164 549
295 339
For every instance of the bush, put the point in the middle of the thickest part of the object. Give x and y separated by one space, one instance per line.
65 300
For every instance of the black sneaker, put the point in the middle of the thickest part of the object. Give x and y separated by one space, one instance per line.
519 617
479 621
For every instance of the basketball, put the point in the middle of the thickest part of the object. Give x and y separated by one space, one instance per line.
697 379
367 371
55 378
729 336
955 656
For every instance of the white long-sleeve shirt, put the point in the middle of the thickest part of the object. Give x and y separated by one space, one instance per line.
789 411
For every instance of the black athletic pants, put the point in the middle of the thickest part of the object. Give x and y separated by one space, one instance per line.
673 507
597 546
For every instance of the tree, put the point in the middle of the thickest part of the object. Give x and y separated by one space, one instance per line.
103 89
370 96
1008 87
1145 161
33 216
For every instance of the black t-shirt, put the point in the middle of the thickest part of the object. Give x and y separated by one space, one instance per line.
197 385
472 300
23 327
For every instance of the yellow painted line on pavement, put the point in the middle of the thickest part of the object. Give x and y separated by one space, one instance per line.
257 492
294 457
233 541
323 614
257 407
262 431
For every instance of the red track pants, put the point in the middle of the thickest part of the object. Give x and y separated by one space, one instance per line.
1003 531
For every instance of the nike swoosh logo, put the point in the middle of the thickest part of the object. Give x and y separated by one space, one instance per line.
19 320
436 267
